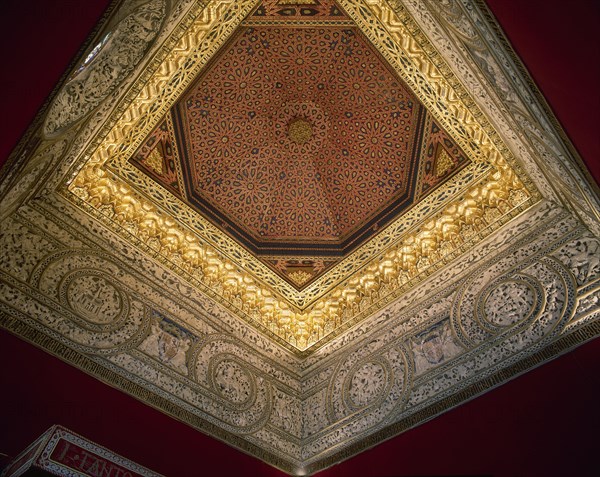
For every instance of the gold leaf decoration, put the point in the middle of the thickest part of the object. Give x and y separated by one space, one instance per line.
155 161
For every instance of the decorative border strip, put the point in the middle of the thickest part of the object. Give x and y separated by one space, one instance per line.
110 378
562 345
559 347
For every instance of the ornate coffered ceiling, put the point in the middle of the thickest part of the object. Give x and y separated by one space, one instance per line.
299 142
460 211
299 228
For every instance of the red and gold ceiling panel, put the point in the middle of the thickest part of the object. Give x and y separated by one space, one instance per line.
156 157
300 141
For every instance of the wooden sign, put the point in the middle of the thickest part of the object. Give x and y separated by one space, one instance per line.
61 452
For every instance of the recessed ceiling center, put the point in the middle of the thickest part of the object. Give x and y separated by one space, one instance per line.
300 143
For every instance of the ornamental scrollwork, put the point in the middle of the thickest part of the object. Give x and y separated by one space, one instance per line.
242 397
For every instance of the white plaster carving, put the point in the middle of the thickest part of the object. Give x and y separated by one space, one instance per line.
94 298
509 303
366 384
582 257
65 276
109 62
232 381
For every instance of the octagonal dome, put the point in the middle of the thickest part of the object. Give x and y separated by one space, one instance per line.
299 141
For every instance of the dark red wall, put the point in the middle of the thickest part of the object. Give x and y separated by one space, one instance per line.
559 43
544 423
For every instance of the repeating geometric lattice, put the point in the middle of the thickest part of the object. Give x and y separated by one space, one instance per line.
302 142
293 9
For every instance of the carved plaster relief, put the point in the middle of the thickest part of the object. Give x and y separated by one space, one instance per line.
467 35
170 324
105 66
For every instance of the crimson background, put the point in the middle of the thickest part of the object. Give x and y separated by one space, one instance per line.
543 423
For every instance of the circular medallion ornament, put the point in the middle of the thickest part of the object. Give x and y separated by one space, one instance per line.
299 130
97 309
370 381
520 302
242 395
232 381
97 303
509 303
94 299
366 384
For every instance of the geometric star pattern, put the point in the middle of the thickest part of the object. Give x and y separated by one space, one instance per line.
302 143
